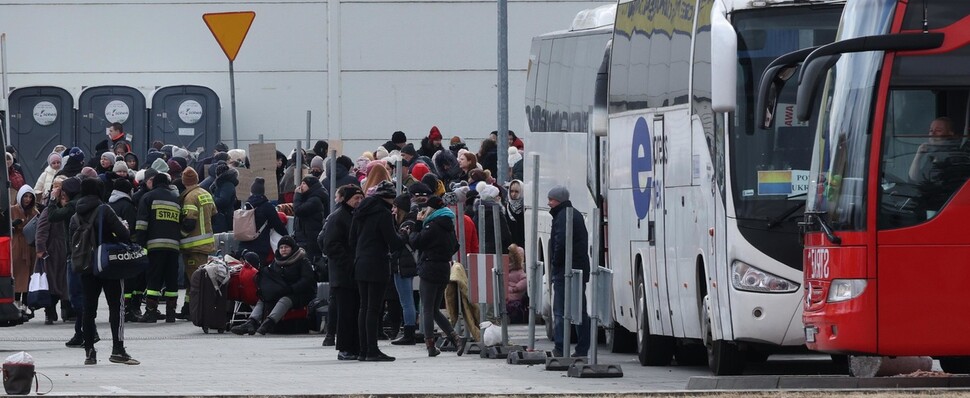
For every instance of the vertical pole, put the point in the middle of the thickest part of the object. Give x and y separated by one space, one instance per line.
6 87
399 176
534 302
232 99
333 180
460 224
500 273
567 318
503 93
298 167
260 138
593 284
481 247
308 128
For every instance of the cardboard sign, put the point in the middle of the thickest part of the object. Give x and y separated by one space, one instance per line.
262 163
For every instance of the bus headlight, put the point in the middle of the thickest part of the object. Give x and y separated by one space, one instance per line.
746 277
846 289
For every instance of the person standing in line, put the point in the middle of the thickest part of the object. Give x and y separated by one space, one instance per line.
88 207
198 240
433 236
311 205
338 248
373 234
159 231
124 206
60 217
51 245
224 193
404 268
558 203
22 255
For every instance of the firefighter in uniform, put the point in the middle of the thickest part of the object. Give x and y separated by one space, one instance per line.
157 229
197 239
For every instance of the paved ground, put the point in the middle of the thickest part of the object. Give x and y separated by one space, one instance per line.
178 359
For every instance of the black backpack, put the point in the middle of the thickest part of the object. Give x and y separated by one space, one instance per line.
84 241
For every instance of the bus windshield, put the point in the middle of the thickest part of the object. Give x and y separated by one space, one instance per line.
769 169
839 161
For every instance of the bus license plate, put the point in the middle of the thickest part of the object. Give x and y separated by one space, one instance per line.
810 332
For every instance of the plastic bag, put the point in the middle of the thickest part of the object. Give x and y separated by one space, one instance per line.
492 334
20 358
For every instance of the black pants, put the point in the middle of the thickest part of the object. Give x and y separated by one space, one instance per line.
369 315
432 295
348 305
163 270
333 311
114 296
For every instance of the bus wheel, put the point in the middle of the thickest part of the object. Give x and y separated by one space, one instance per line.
652 350
723 357
621 340
955 365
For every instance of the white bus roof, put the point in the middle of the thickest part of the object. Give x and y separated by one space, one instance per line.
594 18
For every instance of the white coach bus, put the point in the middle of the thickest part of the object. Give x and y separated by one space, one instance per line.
700 208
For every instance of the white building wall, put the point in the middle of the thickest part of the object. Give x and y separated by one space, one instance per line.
403 65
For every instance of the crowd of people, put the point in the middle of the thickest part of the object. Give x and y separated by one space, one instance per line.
372 244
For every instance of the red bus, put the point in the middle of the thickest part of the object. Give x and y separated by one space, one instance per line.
9 314
887 256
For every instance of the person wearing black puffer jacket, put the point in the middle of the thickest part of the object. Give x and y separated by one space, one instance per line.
288 282
267 219
373 234
311 205
433 236
224 194
337 247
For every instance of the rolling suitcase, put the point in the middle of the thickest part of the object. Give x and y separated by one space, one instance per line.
208 306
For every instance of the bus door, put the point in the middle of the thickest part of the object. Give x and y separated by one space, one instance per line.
657 274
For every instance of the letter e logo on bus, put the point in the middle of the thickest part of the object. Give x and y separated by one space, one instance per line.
641 168
818 259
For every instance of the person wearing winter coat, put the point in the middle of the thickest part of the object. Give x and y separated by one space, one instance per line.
404 268
287 184
398 141
60 213
224 193
558 203
288 282
311 205
267 219
488 156
446 168
342 170
515 212
338 248
433 236
517 290
72 163
158 229
118 171
51 244
15 177
121 202
198 241
22 254
431 143
488 196
373 235
113 231
42 189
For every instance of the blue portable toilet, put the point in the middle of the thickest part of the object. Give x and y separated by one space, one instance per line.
99 107
40 119
187 116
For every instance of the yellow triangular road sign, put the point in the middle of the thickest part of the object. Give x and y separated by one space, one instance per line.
230 29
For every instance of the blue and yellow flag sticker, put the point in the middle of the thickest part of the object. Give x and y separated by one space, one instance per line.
777 182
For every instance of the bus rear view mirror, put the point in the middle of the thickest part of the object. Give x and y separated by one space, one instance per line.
773 81
724 61
822 59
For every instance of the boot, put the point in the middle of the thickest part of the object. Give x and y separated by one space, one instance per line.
184 314
329 341
75 342
432 350
267 326
119 355
406 338
458 341
50 315
67 311
151 311
171 303
130 311
393 332
248 327
90 356
136 300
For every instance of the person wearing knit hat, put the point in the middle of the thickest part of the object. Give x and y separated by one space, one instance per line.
174 168
487 192
380 153
334 241
197 241
71 186
432 181
420 192
160 165
88 172
267 219
558 194
431 143
181 162
514 156
258 187
158 229
180 152
107 160
419 170
222 147
316 167
558 202
120 167
398 140
408 154
44 182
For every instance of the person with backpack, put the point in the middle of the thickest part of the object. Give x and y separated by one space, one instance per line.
197 240
433 236
262 220
345 299
60 217
158 230
93 216
288 282
373 235
121 202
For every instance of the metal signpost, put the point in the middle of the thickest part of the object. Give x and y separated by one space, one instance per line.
333 181
230 29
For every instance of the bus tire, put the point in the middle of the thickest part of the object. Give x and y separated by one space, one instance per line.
723 357
959 365
621 341
652 350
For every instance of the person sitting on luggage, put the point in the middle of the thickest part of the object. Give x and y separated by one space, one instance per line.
288 282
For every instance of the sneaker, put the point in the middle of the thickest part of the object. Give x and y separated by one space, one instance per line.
75 342
556 353
329 341
380 357
90 356
119 355
346 356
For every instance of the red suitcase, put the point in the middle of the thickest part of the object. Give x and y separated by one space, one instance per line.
242 285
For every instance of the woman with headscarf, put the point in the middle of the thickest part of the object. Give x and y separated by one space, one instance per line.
42 188
515 211
376 174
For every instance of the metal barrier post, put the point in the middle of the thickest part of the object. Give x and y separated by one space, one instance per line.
399 176
298 166
333 180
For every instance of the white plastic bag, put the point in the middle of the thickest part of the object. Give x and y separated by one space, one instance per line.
20 358
491 334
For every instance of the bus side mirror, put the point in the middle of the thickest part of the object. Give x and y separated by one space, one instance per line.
822 59
724 60
773 81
